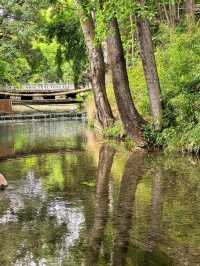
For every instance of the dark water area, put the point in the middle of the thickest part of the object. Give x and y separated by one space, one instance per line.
73 200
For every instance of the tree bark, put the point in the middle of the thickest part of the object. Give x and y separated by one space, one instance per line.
150 69
104 112
132 121
190 7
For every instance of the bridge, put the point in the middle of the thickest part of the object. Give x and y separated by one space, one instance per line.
42 94
40 101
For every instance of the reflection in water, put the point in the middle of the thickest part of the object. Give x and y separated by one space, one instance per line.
102 203
61 209
133 172
156 209
38 222
17 140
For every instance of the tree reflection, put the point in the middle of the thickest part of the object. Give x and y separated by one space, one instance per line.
133 172
106 156
156 209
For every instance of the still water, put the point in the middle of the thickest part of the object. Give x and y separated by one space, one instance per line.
75 201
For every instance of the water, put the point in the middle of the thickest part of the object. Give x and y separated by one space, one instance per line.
75 201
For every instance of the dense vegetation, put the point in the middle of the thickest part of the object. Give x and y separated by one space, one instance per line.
40 41
149 49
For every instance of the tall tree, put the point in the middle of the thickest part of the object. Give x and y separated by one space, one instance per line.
168 11
190 8
150 68
95 52
64 26
131 119
20 23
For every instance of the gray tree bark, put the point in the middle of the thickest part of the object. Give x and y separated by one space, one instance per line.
150 70
133 123
190 8
104 112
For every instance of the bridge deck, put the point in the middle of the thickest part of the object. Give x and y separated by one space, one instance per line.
39 93
46 101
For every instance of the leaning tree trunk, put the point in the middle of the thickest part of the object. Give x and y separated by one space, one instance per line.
150 69
104 112
132 121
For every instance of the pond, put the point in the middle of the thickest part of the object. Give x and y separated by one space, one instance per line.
76 201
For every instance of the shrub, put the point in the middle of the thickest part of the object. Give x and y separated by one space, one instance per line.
114 131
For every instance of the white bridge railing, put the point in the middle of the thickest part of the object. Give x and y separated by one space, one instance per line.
40 87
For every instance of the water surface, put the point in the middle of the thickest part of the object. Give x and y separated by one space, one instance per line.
73 200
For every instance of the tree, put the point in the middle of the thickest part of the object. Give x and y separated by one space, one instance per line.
20 26
64 26
169 11
132 121
150 68
97 65
190 7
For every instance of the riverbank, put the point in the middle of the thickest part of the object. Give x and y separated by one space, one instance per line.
178 68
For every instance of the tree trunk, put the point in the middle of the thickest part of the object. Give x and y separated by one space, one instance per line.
104 112
132 121
160 11
190 7
132 38
150 69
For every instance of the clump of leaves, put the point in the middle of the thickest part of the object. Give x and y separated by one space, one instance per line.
115 131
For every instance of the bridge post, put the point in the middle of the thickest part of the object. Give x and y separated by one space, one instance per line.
6 106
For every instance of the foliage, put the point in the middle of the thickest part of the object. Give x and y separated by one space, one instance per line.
49 46
179 74
64 26
178 66
114 131
18 27
150 135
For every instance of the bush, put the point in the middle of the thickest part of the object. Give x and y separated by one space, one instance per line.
179 71
114 131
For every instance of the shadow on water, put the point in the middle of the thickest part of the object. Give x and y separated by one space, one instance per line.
65 208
